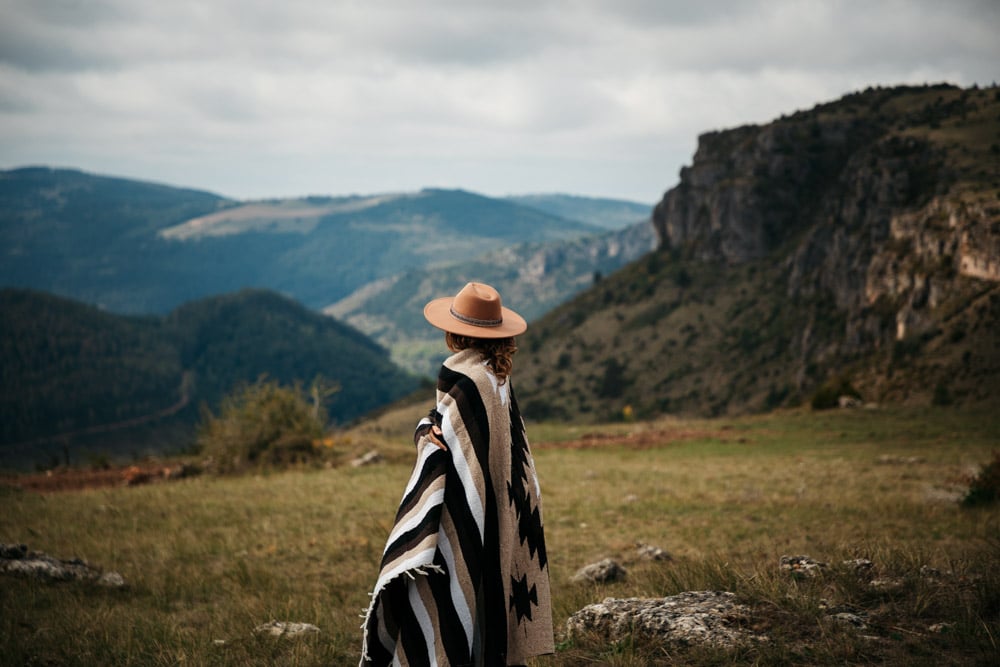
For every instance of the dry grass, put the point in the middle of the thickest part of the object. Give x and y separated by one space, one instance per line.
209 559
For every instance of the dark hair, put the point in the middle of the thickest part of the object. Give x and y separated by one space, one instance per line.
498 352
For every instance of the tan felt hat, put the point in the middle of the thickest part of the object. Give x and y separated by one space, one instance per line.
475 311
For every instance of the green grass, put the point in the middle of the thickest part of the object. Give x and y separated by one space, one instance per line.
209 559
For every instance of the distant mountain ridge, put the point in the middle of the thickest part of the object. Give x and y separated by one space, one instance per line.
532 277
851 249
75 376
145 248
611 214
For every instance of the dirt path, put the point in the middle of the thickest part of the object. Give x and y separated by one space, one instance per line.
79 479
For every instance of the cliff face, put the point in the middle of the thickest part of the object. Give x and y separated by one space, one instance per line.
851 247
886 202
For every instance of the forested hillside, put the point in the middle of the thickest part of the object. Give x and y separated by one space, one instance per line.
75 375
143 248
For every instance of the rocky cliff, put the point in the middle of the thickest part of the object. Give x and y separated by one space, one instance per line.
853 246
886 201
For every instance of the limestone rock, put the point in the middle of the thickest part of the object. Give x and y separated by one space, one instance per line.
850 402
285 629
851 619
846 615
367 459
603 571
860 566
887 583
802 566
650 552
694 617
17 559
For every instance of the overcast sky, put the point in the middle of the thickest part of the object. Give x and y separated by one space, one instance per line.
255 98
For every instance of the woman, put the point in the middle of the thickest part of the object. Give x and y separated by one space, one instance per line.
464 578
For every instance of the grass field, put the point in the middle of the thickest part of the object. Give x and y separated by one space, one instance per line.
208 559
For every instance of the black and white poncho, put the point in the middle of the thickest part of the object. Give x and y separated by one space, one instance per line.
464 578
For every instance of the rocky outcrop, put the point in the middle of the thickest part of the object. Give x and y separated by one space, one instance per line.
867 204
603 571
18 560
288 629
696 617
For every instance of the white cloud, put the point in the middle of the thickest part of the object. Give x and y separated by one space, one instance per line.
601 97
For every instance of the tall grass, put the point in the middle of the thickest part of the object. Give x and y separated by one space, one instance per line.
209 559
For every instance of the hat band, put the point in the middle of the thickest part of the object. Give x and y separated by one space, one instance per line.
475 321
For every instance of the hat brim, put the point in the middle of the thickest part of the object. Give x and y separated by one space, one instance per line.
438 313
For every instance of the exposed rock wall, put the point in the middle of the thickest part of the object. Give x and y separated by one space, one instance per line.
884 203
849 250
861 200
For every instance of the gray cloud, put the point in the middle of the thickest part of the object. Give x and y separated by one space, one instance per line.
606 97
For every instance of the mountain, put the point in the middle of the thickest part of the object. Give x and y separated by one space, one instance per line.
850 249
143 248
606 213
79 377
532 277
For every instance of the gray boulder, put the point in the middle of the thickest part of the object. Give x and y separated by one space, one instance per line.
695 617
286 629
801 566
601 572
651 552
18 560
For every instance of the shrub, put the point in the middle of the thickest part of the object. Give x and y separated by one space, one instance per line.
984 487
263 424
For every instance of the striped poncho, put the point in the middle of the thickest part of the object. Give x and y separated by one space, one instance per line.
464 578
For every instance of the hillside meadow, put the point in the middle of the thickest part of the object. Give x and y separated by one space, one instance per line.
209 559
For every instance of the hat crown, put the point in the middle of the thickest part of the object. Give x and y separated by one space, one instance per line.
476 311
479 305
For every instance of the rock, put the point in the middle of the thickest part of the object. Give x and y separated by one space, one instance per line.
802 566
603 571
285 629
649 552
111 580
856 620
850 402
940 628
887 583
695 617
861 566
367 459
18 560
